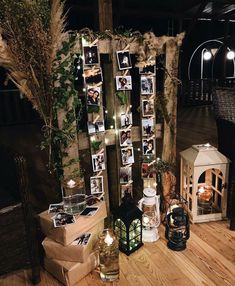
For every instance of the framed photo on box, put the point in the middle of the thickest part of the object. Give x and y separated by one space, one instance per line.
91 55
127 155
96 185
93 76
123 82
146 84
126 119
125 174
148 107
125 137
124 60
148 127
98 162
148 146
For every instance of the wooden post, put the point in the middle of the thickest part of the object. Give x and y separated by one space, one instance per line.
105 15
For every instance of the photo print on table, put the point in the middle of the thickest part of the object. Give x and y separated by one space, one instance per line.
96 185
146 84
56 208
148 146
93 95
124 60
61 219
126 119
125 137
126 189
148 171
149 70
127 155
98 162
93 76
123 82
148 107
96 127
148 127
91 55
125 174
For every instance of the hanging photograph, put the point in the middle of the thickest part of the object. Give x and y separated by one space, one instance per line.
91 55
148 146
96 185
93 76
147 127
124 60
149 70
93 95
146 84
98 162
123 82
149 183
126 119
148 171
125 174
148 107
125 137
96 127
126 189
127 155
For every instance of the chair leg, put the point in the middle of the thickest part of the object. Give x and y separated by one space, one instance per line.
232 224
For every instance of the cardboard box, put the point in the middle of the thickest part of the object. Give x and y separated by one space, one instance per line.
70 273
74 253
68 233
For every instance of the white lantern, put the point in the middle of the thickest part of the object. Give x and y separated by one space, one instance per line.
203 183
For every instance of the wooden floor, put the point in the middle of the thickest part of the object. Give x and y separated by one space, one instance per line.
210 255
208 260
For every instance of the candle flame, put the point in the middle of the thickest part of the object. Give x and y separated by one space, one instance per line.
108 239
71 183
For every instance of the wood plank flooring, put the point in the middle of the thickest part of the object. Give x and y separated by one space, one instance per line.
208 260
210 255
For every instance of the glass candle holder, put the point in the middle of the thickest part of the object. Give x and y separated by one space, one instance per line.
74 197
108 256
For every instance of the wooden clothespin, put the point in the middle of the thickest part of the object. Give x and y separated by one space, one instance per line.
96 118
126 48
150 164
99 174
93 43
100 152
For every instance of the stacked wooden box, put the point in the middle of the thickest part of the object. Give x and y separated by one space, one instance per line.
67 262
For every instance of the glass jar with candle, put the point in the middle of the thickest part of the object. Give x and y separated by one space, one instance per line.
74 196
109 256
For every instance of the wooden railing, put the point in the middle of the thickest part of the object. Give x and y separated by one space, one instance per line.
199 92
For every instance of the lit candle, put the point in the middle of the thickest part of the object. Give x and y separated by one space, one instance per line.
108 239
201 190
145 220
71 184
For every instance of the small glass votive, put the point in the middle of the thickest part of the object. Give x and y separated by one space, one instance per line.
109 256
74 197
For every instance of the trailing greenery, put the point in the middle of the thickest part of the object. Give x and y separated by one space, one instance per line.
95 145
123 97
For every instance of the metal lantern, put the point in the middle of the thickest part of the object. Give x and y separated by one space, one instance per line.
204 180
177 228
128 225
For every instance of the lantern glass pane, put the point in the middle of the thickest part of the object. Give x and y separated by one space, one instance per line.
120 229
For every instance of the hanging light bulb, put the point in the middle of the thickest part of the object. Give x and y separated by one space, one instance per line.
230 55
207 55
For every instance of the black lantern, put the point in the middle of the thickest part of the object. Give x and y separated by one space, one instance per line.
127 220
177 228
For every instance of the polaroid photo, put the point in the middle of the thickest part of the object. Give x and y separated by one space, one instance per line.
82 239
125 137
148 146
146 84
124 60
62 219
148 127
149 183
91 55
93 95
123 82
56 208
96 127
125 174
127 155
96 185
98 162
148 171
148 107
126 189
93 76
148 70
126 119
89 211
